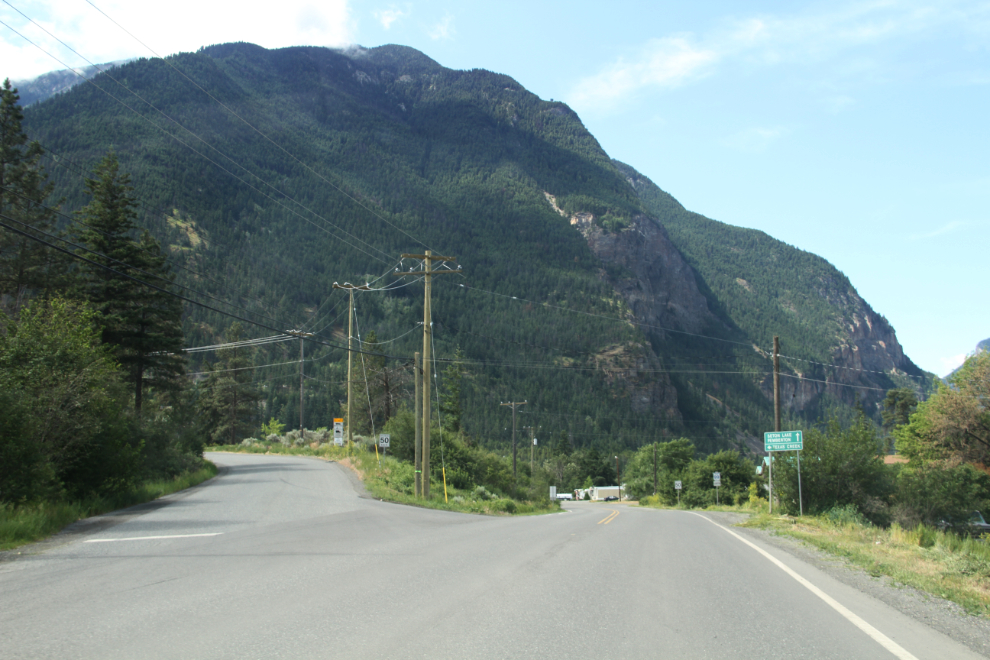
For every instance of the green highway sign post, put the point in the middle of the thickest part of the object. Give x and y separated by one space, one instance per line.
785 441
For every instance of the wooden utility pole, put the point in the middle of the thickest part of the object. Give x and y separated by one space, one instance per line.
418 406
776 384
654 468
776 405
532 446
513 405
428 274
350 288
302 358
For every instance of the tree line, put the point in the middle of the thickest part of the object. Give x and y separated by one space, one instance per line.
92 372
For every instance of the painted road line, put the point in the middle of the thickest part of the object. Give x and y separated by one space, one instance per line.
152 538
609 518
876 635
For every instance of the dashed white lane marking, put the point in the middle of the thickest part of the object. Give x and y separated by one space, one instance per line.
875 634
151 538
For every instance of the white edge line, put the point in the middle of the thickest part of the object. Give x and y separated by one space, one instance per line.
875 634
150 538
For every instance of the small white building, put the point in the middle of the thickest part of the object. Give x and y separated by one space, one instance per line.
599 493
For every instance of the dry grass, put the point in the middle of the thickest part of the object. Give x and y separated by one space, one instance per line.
939 563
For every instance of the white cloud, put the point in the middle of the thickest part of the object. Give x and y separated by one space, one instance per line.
838 103
944 229
756 139
661 63
388 16
444 29
837 35
186 26
950 364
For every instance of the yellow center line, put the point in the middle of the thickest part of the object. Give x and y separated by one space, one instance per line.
610 517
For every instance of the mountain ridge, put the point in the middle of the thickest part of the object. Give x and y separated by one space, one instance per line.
471 159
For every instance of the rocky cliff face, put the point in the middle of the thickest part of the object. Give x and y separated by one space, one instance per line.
644 266
648 271
865 357
661 291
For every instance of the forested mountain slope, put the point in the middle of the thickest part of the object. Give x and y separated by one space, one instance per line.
620 317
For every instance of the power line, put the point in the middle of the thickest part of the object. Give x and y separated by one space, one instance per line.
58 159
240 344
835 366
181 297
608 317
263 135
199 153
126 265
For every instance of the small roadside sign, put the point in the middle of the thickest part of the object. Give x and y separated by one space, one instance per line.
783 441
338 432
677 485
717 478
383 440
534 442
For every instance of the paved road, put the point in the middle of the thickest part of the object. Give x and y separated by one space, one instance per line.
280 557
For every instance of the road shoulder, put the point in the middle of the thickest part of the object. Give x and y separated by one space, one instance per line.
944 616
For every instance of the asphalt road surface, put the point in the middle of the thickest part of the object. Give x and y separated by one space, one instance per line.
282 557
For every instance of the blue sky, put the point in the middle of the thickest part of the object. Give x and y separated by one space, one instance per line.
855 130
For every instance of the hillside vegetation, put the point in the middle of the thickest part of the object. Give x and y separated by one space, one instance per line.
276 173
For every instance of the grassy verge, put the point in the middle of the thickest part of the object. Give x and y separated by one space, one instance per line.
28 523
749 508
392 480
943 564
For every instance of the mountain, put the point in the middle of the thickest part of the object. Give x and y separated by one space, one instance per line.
55 82
619 316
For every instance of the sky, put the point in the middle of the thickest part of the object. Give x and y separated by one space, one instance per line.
855 130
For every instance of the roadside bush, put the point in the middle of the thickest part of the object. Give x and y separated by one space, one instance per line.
736 472
67 429
939 490
839 466
845 515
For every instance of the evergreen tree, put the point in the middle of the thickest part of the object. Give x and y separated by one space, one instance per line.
25 264
143 324
450 394
229 403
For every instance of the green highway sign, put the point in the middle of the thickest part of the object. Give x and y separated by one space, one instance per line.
783 441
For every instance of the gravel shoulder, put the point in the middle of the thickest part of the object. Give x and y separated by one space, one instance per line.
941 615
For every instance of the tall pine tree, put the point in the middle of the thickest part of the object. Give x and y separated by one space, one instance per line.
142 323
26 266
229 403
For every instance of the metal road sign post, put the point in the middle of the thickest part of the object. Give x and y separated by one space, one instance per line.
786 441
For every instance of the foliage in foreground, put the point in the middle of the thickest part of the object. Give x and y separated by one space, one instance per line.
68 431
944 564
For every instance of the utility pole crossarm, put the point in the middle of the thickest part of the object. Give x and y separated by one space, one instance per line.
427 256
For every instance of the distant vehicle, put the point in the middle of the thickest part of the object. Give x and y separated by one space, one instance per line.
974 525
611 498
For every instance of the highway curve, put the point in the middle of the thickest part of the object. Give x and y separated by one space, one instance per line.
284 557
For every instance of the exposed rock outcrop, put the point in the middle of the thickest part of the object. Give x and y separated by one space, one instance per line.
654 279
